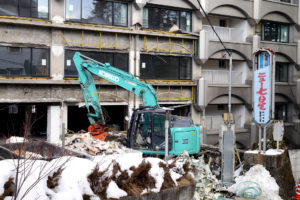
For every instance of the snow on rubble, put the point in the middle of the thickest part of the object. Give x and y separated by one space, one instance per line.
113 171
258 174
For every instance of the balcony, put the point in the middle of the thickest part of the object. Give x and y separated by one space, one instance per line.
214 122
221 76
294 2
225 33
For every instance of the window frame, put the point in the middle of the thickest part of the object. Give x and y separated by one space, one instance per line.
94 51
31 56
282 105
113 21
281 65
278 39
179 66
178 11
18 10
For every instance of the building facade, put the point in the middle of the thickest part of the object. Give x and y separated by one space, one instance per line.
169 44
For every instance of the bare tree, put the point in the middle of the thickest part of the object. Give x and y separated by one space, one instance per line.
31 157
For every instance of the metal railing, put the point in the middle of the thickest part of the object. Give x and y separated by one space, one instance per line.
221 76
214 122
294 2
225 33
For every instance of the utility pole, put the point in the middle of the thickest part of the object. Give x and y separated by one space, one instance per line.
228 138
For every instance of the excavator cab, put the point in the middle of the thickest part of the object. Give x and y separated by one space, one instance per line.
147 133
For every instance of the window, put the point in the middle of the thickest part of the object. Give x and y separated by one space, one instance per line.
222 64
25 8
275 32
223 23
286 1
281 111
165 67
118 60
281 72
164 19
97 12
23 61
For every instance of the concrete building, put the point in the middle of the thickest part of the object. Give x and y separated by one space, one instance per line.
167 43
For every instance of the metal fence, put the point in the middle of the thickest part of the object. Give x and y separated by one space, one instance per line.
221 76
225 33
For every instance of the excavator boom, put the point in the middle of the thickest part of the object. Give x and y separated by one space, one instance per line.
88 67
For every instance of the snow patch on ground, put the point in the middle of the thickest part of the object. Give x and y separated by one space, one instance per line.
258 174
73 183
113 191
269 152
15 139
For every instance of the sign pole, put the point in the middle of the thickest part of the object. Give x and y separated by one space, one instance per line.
265 138
259 138
229 90
167 135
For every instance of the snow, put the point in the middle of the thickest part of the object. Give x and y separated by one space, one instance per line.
15 139
269 152
258 174
73 182
113 191
175 176
156 172
238 171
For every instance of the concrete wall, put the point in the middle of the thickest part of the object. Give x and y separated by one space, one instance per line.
295 162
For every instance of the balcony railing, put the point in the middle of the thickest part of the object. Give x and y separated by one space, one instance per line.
295 2
225 33
214 122
221 76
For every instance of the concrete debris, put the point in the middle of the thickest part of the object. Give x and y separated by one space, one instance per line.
206 181
87 144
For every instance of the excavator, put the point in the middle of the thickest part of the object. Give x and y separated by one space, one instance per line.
147 129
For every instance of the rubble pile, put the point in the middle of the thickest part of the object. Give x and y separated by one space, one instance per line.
85 143
205 179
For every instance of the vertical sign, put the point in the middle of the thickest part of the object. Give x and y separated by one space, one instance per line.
262 87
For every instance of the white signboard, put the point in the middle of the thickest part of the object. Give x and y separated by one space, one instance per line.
278 130
262 88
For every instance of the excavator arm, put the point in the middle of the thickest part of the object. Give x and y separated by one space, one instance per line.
88 67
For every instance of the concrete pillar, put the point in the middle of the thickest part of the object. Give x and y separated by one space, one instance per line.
57 58
203 46
137 13
64 113
298 52
54 123
298 16
131 95
298 91
256 10
256 43
57 11
196 116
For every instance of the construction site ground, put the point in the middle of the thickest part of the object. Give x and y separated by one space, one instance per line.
109 170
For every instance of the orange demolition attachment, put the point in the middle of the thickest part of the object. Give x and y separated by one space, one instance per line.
97 131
